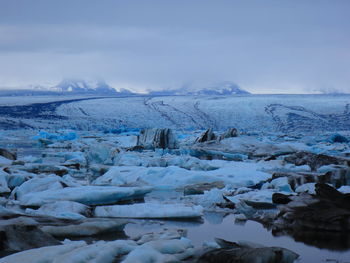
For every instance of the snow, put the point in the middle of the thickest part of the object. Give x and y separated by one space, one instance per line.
149 210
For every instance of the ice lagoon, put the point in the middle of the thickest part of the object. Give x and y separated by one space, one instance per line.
167 194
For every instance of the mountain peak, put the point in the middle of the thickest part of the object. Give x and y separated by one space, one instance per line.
81 86
221 88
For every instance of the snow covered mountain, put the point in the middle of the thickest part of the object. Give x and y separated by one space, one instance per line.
226 88
68 87
223 88
80 86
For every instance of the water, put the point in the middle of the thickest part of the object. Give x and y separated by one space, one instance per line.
23 145
334 247
217 225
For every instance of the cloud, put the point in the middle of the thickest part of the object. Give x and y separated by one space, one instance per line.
274 47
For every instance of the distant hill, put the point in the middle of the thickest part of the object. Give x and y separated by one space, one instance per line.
226 88
81 86
68 87
101 88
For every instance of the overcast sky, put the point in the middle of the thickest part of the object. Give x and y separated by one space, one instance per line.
265 46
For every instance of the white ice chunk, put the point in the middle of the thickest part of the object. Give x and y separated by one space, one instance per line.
43 254
89 227
127 141
149 210
5 161
345 189
3 183
231 173
89 195
161 251
50 182
306 188
100 251
101 153
256 196
61 209
281 184
74 252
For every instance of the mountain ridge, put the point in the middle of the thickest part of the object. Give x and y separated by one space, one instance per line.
82 87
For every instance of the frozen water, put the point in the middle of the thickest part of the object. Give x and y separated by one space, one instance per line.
61 209
149 210
89 195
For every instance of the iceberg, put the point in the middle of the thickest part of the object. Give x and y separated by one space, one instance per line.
88 195
149 210
88 227
61 209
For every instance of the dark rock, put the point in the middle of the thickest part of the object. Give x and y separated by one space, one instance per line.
337 177
338 138
23 237
208 135
44 142
157 138
260 205
270 158
7 154
328 210
231 252
278 198
228 204
72 165
313 160
48 169
325 191
231 132
88 227
197 189
203 153
137 148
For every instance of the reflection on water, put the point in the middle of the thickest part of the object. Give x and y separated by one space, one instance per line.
22 145
312 247
255 232
337 241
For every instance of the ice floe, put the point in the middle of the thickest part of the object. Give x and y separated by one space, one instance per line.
149 210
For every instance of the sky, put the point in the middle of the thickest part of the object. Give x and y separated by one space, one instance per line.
270 46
